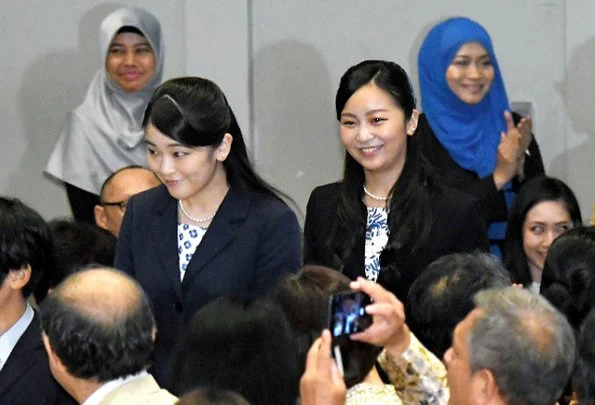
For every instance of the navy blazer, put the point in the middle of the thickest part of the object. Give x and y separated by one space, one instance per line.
26 379
251 242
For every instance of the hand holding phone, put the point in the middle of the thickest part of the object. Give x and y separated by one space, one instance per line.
347 314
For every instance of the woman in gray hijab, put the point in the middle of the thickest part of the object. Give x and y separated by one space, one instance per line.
105 132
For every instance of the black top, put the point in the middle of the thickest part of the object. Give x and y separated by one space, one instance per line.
457 226
449 173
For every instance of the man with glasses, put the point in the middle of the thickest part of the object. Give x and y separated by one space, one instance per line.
115 193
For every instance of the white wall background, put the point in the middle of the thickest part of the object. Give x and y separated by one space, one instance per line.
279 62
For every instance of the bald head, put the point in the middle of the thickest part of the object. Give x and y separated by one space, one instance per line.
119 187
103 294
99 324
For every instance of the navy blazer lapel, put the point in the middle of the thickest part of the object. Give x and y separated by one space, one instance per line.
24 355
235 207
165 230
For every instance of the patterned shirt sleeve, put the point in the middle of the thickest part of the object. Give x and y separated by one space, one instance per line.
417 375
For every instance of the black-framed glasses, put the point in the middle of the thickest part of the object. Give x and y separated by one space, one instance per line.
121 204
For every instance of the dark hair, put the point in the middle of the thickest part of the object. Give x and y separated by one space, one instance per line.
533 192
76 244
584 372
210 396
93 344
131 29
311 288
24 240
409 218
442 295
568 278
239 344
194 112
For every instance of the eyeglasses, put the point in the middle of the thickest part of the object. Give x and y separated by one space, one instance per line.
121 204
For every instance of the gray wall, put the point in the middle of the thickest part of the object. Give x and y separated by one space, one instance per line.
279 62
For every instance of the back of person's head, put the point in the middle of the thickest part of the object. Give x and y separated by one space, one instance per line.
568 279
99 325
25 241
76 245
533 192
238 344
304 299
584 372
442 295
194 112
210 396
526 344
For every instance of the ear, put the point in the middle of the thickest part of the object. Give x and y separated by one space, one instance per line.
412 122
484 387
224 147
154 334
20 277
100 217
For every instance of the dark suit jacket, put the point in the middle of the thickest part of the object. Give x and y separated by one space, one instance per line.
26 379
451 174
252 241
457 227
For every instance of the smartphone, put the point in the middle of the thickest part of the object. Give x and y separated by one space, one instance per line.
347 314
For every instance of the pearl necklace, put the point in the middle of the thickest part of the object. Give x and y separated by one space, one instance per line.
190 217
374 196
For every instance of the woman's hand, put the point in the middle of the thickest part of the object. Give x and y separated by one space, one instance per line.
388 327
510 152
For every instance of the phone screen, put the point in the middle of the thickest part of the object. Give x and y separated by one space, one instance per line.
347 314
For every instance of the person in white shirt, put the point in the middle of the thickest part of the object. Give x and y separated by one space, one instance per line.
99 331
25 253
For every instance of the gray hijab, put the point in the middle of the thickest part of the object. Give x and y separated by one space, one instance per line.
104 133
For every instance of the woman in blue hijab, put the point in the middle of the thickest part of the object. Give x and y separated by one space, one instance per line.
467 132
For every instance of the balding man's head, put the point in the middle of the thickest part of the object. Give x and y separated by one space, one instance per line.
99 324
514 342
117 190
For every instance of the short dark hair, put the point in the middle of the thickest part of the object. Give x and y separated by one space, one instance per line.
24 240
568 278
442 295
76 245
239 344
533 192
93 344
584 372
311 288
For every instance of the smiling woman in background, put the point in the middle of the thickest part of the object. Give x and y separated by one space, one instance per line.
544 209
104 133
467 132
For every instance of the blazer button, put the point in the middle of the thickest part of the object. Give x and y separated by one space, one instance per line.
178 306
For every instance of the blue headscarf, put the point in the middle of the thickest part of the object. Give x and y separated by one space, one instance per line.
470 133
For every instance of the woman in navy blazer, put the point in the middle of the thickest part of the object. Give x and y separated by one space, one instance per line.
214 227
